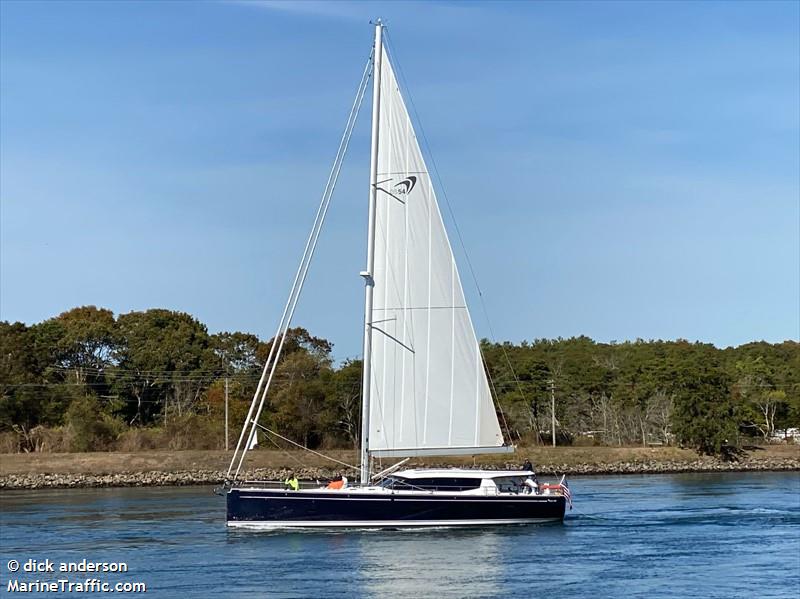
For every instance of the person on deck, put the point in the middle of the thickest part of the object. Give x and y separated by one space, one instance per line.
527 466
291 482
531 485
339 483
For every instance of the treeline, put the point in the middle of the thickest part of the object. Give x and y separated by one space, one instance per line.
647 392
87 380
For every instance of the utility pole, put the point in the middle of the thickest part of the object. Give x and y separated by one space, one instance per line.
553 409
226 412
225 369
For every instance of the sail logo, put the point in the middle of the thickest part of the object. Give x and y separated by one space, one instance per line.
406 185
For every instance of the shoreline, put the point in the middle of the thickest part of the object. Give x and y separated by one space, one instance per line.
184 468
202 478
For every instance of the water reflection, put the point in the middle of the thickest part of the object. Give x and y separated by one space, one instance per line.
444 562
432 563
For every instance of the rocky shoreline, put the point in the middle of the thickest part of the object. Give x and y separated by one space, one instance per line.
32 481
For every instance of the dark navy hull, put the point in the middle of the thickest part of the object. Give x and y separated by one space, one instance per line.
274 508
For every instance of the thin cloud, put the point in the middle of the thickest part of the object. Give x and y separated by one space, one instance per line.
350 11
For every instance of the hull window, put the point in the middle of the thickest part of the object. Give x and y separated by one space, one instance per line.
432 484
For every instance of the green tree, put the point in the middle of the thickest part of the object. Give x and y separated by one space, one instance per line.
165 361
298 398
86 343
29 395
703 417
89 427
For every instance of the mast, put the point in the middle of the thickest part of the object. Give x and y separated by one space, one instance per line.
369 283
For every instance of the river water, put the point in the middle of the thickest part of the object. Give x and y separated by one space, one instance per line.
688 535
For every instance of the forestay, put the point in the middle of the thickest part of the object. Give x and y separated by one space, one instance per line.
429 391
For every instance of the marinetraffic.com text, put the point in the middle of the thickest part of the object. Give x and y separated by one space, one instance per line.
46 576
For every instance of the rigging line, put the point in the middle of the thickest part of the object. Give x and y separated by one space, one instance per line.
336 385
305 263
297 284
392 337
308 449
282 450
129 384
189 376
494 388
452 213
433 161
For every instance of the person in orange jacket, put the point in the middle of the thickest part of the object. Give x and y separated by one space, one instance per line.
339 483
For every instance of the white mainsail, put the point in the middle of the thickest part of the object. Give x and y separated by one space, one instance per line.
429 394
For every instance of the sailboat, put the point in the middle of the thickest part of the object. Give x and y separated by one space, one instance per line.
425 390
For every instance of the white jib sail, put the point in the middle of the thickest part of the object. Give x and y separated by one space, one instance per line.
429 392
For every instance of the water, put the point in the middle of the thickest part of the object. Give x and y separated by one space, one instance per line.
690 535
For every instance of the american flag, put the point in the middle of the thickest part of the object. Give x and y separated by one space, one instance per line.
565 490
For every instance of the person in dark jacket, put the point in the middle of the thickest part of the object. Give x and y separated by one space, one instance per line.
527 466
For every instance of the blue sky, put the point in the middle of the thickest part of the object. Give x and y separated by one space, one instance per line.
619 170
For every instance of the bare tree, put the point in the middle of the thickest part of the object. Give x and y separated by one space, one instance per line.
659 412
767 403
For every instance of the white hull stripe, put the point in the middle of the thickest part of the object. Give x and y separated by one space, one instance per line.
380 523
